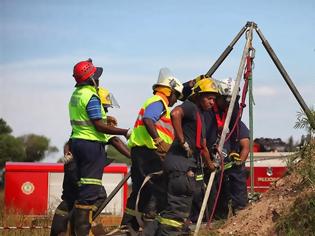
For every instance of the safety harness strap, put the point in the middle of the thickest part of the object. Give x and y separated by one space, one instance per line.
133 212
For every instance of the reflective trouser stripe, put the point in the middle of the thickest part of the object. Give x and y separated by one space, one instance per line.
132 212
228 165
90 181
61 212
199 177
85 207
169 222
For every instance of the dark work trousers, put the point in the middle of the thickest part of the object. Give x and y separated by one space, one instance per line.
222 207
197 200
200 194
238 188
69 195
144 162
233 189
180 191
90 158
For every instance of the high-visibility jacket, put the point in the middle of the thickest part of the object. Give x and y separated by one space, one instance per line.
82 127
164 127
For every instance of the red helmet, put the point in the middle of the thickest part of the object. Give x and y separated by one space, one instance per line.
84 70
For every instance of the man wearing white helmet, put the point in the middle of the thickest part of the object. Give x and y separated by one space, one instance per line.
150 140
236 148
185 156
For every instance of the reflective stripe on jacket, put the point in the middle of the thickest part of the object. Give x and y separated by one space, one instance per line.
164 127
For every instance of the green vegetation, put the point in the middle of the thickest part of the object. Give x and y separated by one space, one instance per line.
300 218
26 148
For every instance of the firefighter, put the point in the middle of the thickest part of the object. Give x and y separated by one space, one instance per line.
150 140
87 117
235 152
183 159
70 187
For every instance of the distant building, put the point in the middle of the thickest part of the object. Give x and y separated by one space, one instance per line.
270 145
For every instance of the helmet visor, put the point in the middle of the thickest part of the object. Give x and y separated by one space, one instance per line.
113 101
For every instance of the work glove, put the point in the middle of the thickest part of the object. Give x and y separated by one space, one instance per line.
67 158
161 147
211 165
67 155
186 147
111 121
235 157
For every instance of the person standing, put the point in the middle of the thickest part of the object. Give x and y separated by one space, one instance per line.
236 150
150 140
88 121
184 157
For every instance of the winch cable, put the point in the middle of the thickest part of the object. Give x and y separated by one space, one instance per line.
247 77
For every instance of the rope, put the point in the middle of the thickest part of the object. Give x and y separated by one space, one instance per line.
219 189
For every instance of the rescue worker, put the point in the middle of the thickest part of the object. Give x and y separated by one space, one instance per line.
87 117
150 140
183 159
70 182
235 153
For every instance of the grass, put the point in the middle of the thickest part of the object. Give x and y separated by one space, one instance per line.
11 217
300 219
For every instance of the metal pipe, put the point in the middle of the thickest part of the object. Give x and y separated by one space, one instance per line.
111 195
226 124
226 52
251 133
287 78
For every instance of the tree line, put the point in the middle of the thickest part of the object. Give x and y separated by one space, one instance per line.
25 148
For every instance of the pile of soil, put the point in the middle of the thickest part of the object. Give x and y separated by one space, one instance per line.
260 217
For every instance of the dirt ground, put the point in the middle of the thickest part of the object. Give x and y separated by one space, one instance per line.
259 217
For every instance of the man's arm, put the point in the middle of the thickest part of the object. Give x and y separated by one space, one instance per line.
177 115
150 126
206 156
94 111
101 126
244 146
120 146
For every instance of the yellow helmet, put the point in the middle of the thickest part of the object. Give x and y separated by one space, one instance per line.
107 98
204 85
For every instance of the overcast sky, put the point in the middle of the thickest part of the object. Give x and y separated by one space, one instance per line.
40 41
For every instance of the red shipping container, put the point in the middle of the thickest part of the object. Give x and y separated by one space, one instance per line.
35 188
268 167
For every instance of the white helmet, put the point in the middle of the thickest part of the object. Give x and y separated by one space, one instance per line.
167 79
226 86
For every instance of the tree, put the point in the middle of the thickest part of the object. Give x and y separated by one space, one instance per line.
303 122
36 147
4 128
291 146
11 149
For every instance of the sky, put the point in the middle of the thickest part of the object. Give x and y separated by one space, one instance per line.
41 41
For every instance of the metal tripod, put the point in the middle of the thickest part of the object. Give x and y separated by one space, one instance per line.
249 27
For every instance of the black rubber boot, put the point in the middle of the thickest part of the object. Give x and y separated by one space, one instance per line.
82 221
60 220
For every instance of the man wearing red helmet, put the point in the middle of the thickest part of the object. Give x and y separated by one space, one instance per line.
87 117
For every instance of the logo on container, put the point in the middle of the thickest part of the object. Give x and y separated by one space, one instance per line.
27 188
